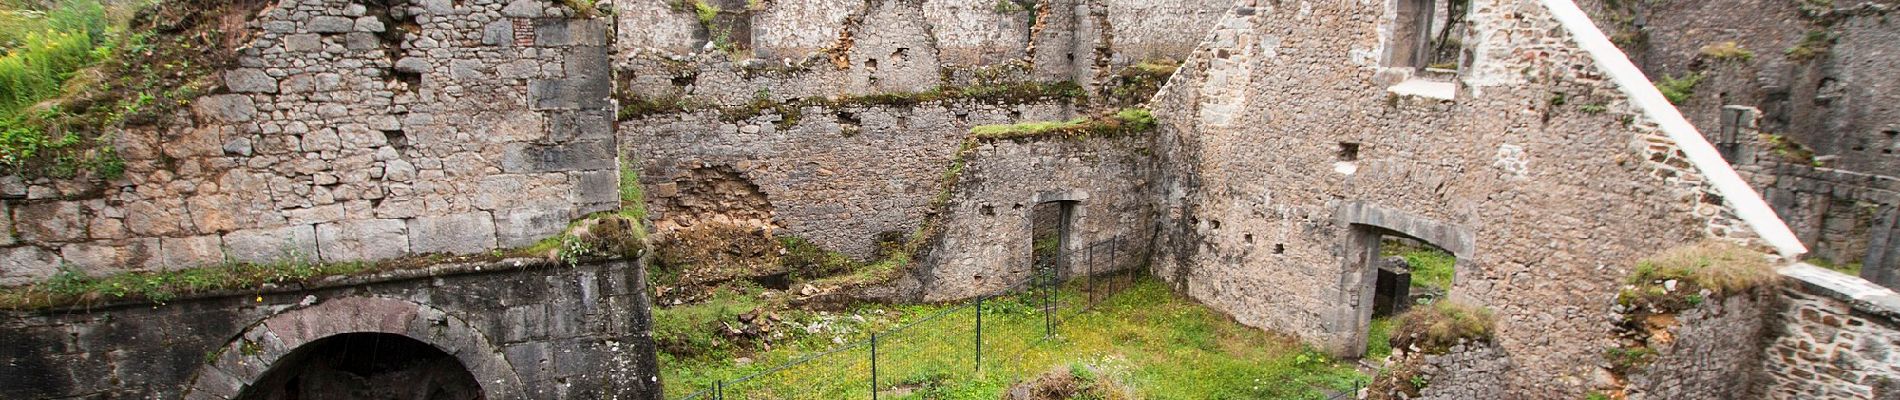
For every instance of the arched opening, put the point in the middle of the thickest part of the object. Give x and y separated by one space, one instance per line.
366 365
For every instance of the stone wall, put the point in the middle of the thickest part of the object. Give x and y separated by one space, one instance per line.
838 177
1285 116
1837 339
524 329
986 239
1713 352
349 131
1473 371
1844 216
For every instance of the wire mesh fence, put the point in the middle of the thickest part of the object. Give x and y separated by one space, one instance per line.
952 344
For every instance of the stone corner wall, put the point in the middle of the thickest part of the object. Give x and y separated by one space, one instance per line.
1838 337
1470 371
349 131
1714 351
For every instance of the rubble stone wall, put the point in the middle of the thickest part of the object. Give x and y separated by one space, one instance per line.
1838 338
1713 352
1285 115
350 131
986 240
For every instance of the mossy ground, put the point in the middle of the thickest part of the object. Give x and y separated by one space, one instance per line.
1154 342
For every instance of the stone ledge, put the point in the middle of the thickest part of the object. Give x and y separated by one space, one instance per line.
393 275
1426 88
1859 293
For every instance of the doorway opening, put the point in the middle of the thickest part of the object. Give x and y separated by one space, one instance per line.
1407 272
366 366
1050 227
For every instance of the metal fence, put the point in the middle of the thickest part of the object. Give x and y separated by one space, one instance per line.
913 352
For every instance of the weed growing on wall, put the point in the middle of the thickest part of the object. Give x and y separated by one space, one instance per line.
1729 51
1680 89
72 287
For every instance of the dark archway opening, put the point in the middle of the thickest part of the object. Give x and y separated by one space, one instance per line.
367 366
1050 225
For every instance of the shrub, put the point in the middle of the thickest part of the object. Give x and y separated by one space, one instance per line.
1721 267
1679 89
1437 327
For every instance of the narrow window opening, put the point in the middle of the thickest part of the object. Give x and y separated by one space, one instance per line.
1348 151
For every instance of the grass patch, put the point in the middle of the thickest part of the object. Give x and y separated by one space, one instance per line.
1147 339
635 106
72 287
1851 269
1127 121
1727 51
1813 45
1435 328
1789 149
1431 268
1379 338
1719 266
1681 89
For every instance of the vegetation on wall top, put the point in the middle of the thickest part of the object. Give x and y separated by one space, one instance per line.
84 71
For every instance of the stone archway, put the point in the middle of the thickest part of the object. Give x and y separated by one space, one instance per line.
1366 224
251 355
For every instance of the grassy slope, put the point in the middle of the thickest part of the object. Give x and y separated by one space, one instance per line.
1155 342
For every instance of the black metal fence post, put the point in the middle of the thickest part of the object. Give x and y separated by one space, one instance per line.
979 334
719 390
1091 277
873 365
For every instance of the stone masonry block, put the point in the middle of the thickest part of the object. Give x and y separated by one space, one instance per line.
101 258
190 252
551 32
330 24
526 225
596 190
249 80
454 234
576 156
289 243
553 94
26 264
58 221
581 125
362 240
6 225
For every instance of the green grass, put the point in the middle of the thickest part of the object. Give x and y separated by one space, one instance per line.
1852 268
1436 327
1147 338
1379 338
70 286
1431 268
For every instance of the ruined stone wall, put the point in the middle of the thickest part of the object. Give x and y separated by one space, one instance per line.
524 329
1833 94
820 109
1472 371
1714 351
838 178
349 131
1837 339
986 240
1844 216
1285 117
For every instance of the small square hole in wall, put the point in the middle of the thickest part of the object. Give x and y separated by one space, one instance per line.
1279 248
1247 238
988 211
1348 151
